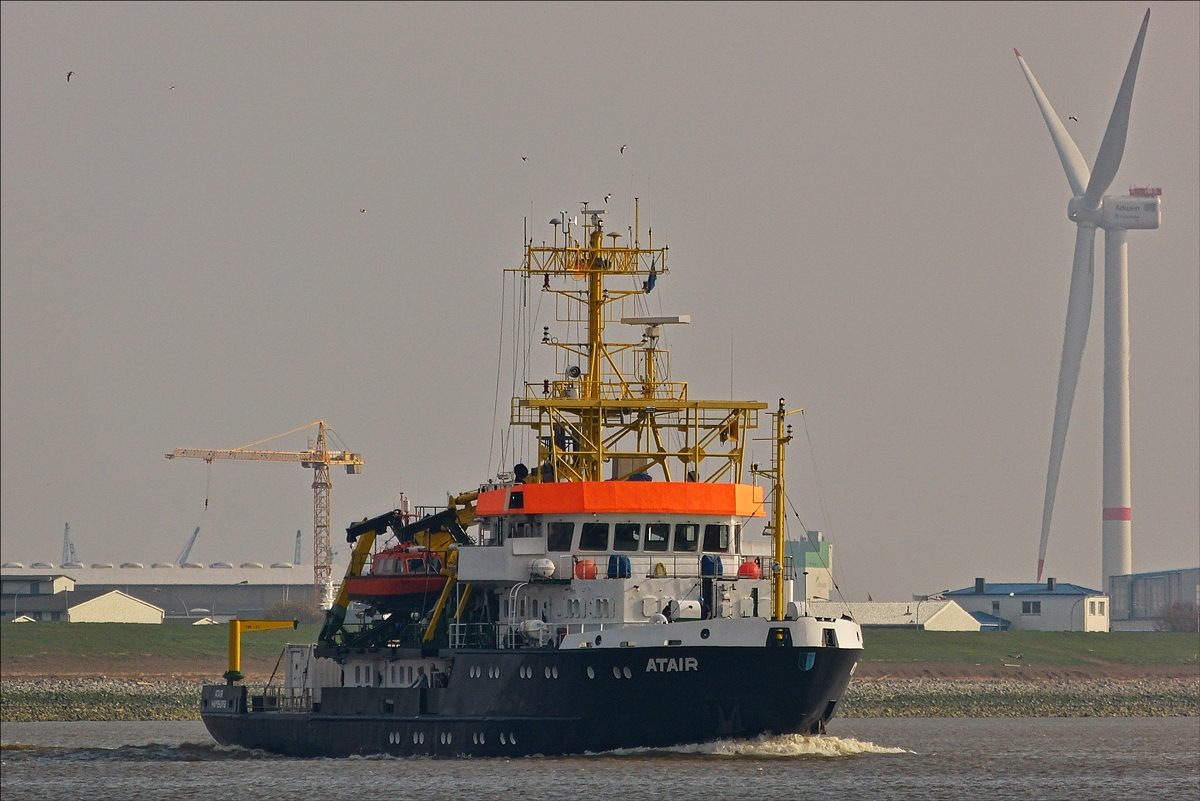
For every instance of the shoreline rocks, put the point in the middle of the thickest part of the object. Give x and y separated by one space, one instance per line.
101 698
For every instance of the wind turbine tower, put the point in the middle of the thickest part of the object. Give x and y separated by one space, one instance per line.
1089 208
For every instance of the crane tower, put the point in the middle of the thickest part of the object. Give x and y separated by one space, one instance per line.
319 458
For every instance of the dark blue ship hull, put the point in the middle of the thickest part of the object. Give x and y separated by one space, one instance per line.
522 702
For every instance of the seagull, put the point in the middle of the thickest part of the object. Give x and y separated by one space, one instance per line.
524 158
171 88
362 211
623 148
1073 118
69 74
606 197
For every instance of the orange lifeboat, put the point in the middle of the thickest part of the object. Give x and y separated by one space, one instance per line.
399 575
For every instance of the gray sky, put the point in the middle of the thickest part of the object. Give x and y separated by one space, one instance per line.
862 198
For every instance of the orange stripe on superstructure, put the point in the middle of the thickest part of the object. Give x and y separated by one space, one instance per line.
619 497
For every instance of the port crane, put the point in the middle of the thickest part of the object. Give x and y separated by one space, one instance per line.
187 549
317 457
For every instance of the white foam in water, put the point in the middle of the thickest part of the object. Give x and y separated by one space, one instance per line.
784 745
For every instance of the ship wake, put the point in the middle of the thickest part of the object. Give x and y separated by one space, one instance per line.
775 746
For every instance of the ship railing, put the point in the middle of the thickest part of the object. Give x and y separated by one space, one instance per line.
273 698
669 565
472 635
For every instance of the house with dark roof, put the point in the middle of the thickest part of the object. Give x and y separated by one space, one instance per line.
1052 606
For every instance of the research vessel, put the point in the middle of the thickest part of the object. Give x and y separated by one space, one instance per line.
626 589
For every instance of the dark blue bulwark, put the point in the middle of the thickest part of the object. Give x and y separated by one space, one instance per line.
602 698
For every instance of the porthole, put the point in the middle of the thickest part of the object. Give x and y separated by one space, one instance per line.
554 672
449 737
591 673
391 737
628 675
502 740
422 738
442 738
704 634
598 638
482 737
616 672
475 737
547 672
512 738
414 738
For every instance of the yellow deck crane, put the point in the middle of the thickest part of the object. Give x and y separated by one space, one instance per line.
319 458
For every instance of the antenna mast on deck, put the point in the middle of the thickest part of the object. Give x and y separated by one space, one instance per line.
615 401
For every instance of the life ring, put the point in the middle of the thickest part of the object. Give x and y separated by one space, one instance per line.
660 570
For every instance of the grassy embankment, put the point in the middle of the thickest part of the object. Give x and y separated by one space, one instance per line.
53 650
1025 674
118 647
1037 648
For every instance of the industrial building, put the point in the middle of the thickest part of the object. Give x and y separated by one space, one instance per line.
1036 607
1138 598
185 594
812 560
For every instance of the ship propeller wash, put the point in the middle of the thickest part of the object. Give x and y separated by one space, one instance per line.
615 593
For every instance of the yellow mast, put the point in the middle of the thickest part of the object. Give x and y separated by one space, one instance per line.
614 402
781 437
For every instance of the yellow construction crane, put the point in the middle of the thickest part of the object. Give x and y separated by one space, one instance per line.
319 458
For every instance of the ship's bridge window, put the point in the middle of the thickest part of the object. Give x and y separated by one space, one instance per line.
657 535
594 537
523 529
687 537
716 537
489 533
558 539
626 536
416 565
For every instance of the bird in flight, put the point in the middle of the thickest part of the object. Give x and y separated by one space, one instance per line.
362 211
69 74
606 197
524 158
623 148
1073 118
171 88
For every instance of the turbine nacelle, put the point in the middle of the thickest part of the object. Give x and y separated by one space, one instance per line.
1125 212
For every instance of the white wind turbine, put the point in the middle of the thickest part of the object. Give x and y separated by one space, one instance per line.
1090 209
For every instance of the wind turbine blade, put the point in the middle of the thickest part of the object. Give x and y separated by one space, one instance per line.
1079 315
1072 160
1113 145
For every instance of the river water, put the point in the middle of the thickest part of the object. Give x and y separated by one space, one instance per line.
879 758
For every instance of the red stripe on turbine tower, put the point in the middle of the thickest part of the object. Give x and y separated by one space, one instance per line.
1118 513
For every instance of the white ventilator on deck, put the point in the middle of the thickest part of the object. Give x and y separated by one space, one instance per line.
1090 209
